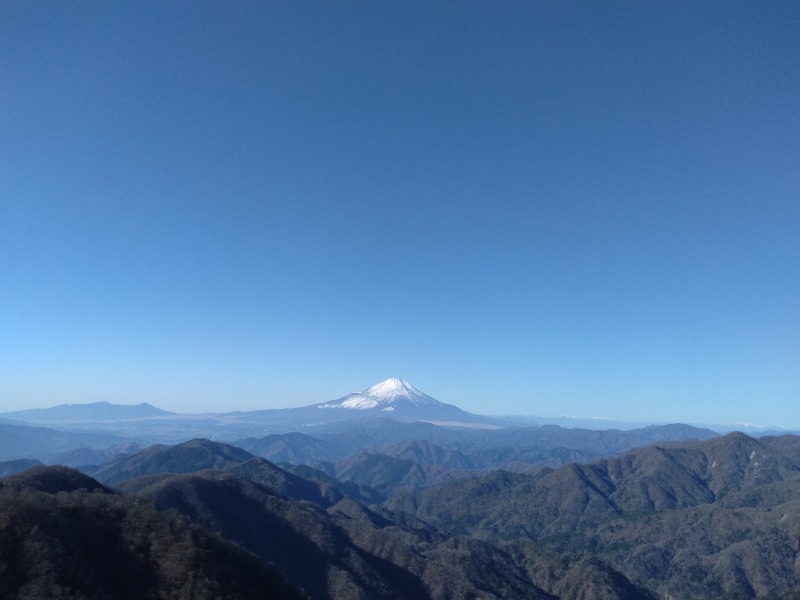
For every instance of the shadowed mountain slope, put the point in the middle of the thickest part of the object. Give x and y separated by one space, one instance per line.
350 551
64 535
199 455
325 541
299 539
190 456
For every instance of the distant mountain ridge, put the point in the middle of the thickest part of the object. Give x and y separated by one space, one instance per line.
21 440
508 448
393 398
94 411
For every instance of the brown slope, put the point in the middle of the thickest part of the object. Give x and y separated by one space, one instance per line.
63 535
299 539
348 551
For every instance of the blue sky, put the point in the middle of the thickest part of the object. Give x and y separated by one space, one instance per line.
540 208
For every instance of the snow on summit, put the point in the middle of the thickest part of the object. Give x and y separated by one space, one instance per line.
400 401
392 389
385 394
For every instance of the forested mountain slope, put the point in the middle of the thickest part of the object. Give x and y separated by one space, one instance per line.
63 535
696 519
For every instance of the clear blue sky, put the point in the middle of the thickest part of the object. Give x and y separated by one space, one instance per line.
584 208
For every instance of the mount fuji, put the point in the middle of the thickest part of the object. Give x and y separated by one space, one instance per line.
390 401
399 400
386 396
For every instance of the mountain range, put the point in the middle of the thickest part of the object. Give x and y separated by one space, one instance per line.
146 424
358 436
389 493
322 541
392 398
718 518
711 519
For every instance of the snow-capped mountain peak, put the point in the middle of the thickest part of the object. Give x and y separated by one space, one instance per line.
393 388
396 400
384 395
